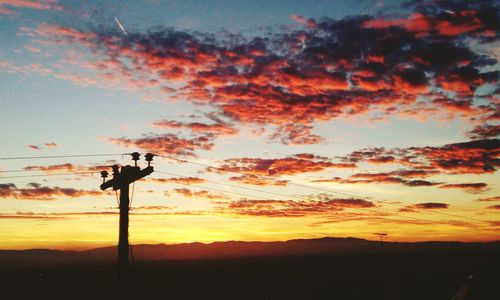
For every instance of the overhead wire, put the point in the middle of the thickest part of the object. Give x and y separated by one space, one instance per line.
226 184
329 190
296 197
132 195
61 156
47 175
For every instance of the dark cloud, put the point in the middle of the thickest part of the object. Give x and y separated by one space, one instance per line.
300 163
167 144
477 187
485 131
199 194
35 191
424 206
393 177
257 180
217 128
292 208
7 190
179 180
496 198
431 205
34 147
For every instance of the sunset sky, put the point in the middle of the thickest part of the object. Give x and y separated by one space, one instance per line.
272 120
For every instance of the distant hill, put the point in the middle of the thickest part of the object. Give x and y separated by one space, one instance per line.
229 249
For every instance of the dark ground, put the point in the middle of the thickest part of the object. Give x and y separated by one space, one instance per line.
405 275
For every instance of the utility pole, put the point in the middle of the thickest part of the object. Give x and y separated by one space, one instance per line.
121 181
381 236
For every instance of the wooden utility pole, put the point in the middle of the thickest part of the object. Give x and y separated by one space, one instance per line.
121 181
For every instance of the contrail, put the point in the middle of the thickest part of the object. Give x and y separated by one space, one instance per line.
121 26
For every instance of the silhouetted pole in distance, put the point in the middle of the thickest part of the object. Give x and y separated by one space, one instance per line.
121 181
381 235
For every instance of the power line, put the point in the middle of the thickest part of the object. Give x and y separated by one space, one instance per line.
40 169
296 197
219 190
231 185
226 184
328 190
45 175
61 156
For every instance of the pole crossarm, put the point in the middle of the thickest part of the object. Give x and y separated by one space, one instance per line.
127 176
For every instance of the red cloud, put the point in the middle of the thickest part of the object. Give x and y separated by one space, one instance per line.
494 207
462 80
416 23
34 147
451 25
44 5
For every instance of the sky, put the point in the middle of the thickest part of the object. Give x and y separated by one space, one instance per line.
269 120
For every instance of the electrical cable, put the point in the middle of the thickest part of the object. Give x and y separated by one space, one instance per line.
302 199
48 175
62 156
329 190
